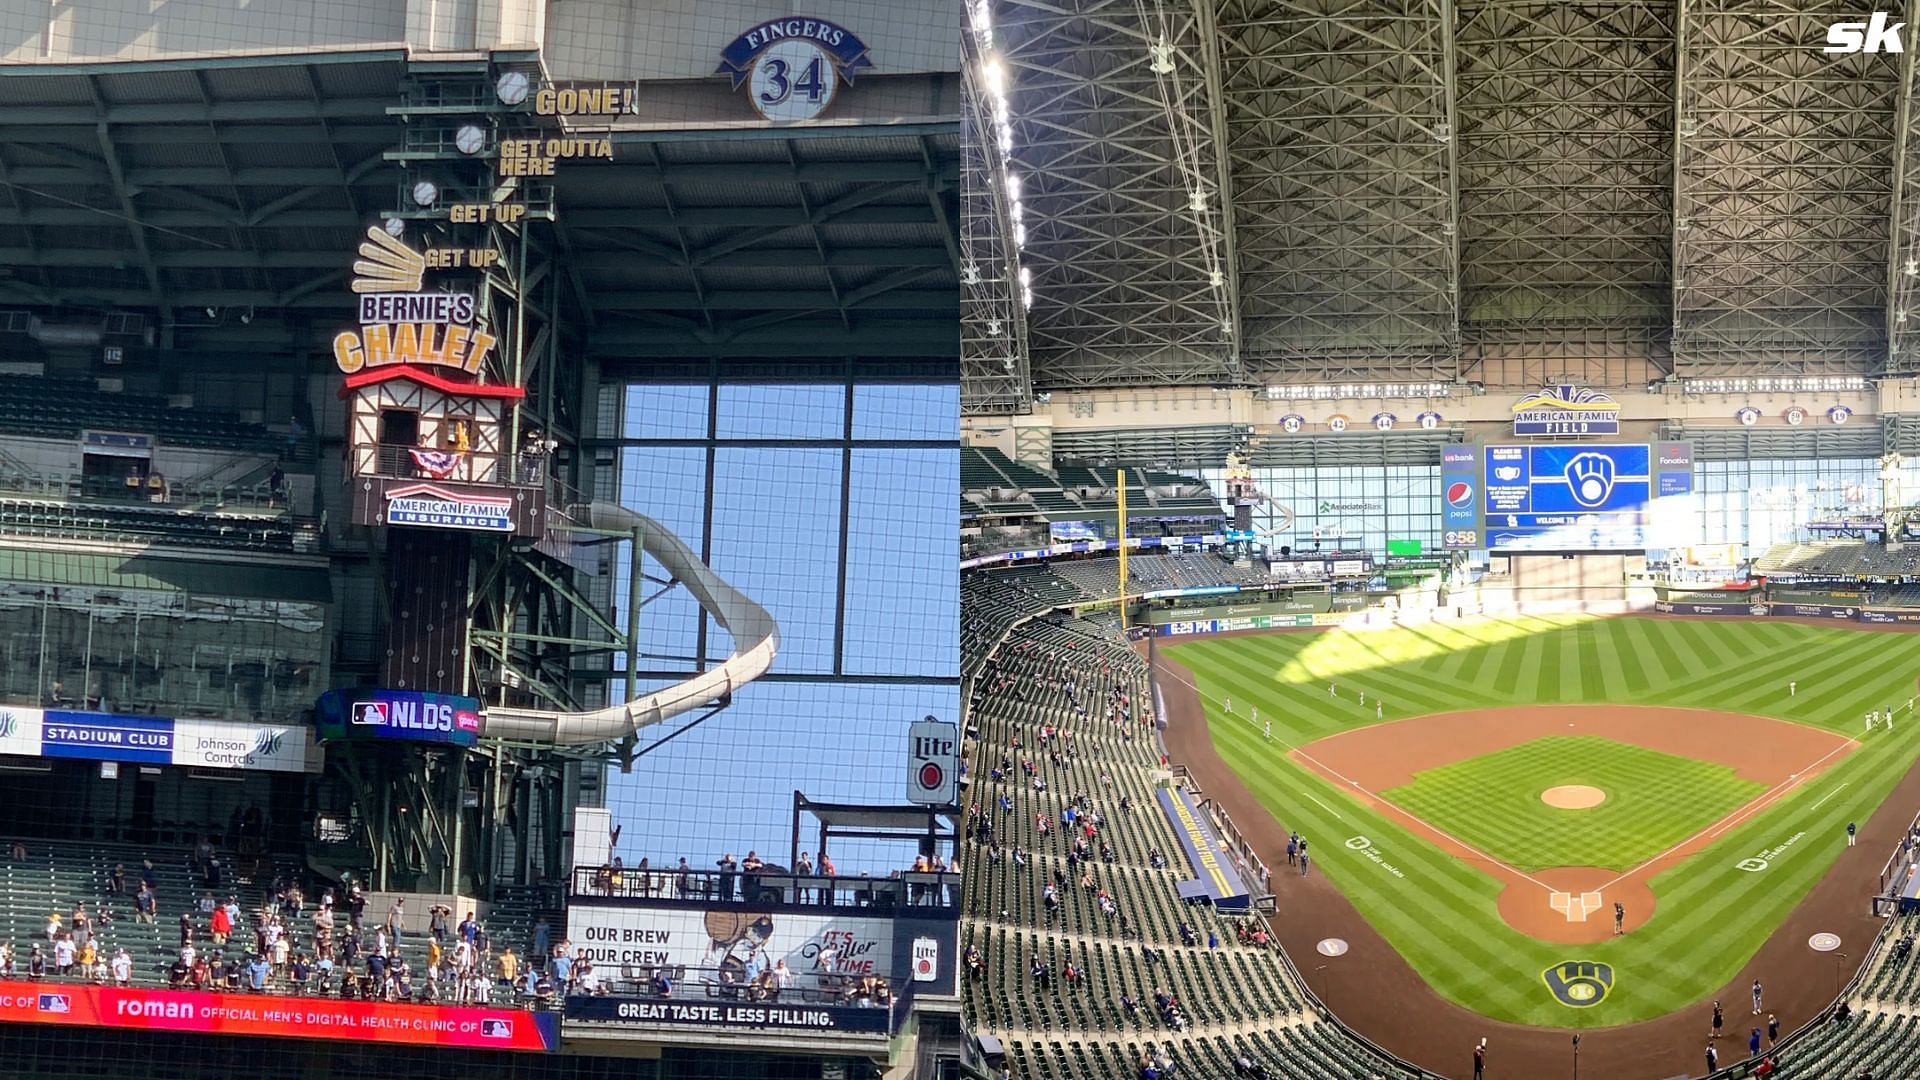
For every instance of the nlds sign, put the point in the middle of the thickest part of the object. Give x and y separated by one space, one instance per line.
933 760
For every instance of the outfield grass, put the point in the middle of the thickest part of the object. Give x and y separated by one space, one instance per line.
1441 915
1654 801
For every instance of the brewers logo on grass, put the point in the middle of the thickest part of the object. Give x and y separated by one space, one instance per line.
1579 983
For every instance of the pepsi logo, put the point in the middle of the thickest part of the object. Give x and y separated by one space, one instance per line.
1459 493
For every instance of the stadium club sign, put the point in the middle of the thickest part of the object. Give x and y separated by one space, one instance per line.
1566 410
793 66
399 323
435 507
405 715
198 1012
155 740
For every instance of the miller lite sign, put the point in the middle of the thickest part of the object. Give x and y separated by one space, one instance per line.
926 959
933 762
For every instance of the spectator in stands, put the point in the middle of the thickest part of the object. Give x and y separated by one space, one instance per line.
508 965
177 974
19 851
299 974
782 980
396 918
200 976
356 906
149 877
6 960
143 904
727 867
117 880
437 917
122 967
63 953
750 868
971 957
220 922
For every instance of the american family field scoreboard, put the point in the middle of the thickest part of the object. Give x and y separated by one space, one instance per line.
1565 496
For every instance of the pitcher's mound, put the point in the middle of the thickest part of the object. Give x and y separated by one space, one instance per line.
1573 797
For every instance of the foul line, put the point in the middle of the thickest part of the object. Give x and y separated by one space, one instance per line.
1328 809
1828 795
1759 803
1418 823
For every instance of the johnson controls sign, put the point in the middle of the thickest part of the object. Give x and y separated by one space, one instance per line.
156 740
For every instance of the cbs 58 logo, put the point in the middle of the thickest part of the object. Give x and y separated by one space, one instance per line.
1460 538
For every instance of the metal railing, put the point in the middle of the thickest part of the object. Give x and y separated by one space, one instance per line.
730 982
397 462
769 886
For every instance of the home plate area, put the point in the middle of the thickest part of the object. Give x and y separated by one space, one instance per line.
1575 906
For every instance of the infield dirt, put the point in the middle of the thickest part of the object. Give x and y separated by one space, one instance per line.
1382 997
1379 757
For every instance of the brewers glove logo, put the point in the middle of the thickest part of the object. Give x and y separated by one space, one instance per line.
1579 983
1590 478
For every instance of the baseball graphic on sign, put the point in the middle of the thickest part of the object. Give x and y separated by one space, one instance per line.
512 88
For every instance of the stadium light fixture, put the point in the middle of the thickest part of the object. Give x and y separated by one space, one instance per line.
1162 57
980 15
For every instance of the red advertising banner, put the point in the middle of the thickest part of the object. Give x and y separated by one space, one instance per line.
475 1027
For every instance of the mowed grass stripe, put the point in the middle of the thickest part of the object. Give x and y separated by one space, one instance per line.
1616 684
1653 801
1710 916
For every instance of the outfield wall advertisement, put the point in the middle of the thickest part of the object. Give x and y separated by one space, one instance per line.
290 1017
1876 616
156 740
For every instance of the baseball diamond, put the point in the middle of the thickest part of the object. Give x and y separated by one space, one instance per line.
1687 727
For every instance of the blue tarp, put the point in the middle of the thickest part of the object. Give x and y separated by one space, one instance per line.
1216 879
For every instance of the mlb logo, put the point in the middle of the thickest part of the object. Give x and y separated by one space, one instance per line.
467 721
496 1029
370 712
56 1003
